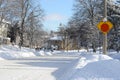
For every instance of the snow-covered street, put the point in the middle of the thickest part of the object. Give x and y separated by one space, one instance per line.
28 64
59 39
36 68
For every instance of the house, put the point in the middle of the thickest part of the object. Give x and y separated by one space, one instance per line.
55 42
60 42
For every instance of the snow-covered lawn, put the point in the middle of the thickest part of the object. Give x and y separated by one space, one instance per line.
27 64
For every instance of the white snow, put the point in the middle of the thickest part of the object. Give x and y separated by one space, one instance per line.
43 53
28 64
10 52
1 58
96 67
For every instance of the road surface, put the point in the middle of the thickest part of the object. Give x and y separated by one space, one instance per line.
36 68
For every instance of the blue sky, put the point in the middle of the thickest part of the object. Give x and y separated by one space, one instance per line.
56 12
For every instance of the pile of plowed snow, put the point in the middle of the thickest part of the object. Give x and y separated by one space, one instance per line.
12 52
43 53
96 67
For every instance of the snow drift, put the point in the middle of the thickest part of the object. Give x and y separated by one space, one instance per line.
96 67
12 52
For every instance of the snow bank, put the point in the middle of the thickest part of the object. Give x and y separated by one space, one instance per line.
43 53
114 55
100 70
40 53
88 58
1 58
48 53
10 52
96 67
69 52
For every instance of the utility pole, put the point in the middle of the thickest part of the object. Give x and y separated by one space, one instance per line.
105 26
105 35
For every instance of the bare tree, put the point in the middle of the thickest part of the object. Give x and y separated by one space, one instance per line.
34 25
83 23
28 17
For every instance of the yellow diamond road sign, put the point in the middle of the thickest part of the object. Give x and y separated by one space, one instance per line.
105 27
